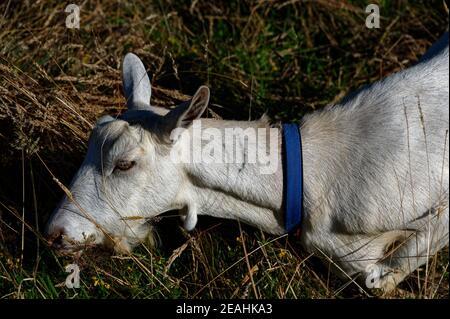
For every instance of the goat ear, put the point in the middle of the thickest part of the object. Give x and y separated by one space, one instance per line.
183 115
136 83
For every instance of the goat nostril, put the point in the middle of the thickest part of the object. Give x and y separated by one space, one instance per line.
55 239
58 242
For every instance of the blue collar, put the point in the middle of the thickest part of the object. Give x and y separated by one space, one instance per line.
292 176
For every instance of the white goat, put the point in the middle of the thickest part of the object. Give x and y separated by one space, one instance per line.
375 173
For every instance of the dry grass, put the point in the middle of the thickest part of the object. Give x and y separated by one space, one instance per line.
286 57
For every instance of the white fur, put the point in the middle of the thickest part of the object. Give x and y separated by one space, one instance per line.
375 173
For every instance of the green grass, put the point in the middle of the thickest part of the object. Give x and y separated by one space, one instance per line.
285 58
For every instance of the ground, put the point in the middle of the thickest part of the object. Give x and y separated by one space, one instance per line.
286 58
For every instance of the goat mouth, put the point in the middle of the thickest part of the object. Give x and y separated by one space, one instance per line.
68 247
74 250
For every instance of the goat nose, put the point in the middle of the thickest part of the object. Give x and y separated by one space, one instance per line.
55 238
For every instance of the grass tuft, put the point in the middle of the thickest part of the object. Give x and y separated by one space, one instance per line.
286 58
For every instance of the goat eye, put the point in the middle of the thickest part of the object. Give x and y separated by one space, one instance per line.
124 165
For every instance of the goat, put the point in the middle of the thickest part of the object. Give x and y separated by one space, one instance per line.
375 172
